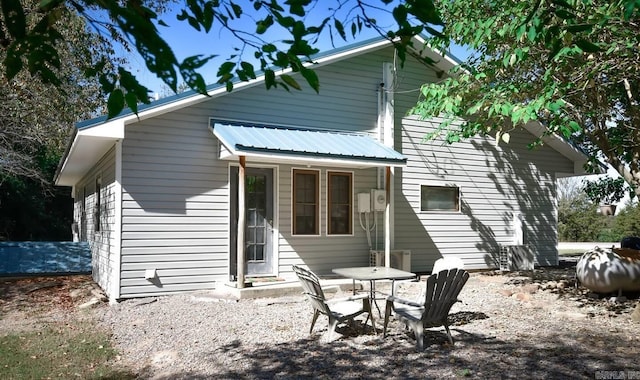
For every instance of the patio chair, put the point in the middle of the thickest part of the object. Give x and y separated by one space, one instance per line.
338 309
442 290
448 262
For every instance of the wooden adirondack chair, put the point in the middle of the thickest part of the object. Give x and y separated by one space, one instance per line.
338 309
442 292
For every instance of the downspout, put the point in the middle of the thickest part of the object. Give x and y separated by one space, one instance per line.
388 127
117 228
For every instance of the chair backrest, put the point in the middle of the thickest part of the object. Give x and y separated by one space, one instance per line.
312 289
448 262
442 292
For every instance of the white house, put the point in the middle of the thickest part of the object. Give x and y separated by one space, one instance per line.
328 177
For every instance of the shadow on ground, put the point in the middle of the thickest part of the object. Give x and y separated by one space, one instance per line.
389 358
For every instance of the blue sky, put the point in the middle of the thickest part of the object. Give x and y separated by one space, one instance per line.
186 41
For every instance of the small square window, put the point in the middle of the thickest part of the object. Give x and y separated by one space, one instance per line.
439 198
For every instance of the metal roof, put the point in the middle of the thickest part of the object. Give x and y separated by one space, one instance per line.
300 144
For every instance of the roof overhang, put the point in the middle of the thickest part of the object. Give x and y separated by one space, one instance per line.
87 147
561 146
93 138
271 144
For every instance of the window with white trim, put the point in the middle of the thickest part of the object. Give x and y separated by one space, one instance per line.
339 203
306 202
98 205
439 198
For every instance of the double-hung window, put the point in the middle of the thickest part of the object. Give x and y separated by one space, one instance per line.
339 203
98 205
306 202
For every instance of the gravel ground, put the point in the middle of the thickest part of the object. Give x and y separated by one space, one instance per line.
519 325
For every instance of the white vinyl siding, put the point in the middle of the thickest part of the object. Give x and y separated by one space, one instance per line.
101 241
175 191
322 253
494 181
174 206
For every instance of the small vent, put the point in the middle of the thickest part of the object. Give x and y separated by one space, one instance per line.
516 257
400 259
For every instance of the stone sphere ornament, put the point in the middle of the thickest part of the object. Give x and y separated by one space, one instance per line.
607 270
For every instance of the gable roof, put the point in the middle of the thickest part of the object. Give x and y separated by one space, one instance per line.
93 138
326 147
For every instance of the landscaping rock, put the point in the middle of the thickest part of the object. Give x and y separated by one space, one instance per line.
523 297
530 288
93 301
636 313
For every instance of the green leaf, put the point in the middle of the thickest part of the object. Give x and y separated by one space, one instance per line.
296 7
48 5
575 127
340 29
565 14
579 28
263 25
12 62
132 102
400 14
630 7
131 84
532 33
290 81
14 18
269 78
208 15
269 48
115 103
225 68
312 78
248 68
107 84
587 46
237 10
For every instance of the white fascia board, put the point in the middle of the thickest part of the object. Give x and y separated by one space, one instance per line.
306 160
88 146
230 154
443 62
112 129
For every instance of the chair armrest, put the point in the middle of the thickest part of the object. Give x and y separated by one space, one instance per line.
350 298
395 283
392 299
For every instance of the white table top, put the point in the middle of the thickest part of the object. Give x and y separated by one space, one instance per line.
373 273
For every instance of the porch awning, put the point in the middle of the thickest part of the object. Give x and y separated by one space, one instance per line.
312 146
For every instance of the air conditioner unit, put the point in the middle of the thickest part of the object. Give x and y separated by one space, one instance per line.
516 257
400 259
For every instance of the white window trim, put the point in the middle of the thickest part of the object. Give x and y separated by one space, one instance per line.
319 216
440 184
352 201
97 228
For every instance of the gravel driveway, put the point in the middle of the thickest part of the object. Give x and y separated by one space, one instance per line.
507 326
